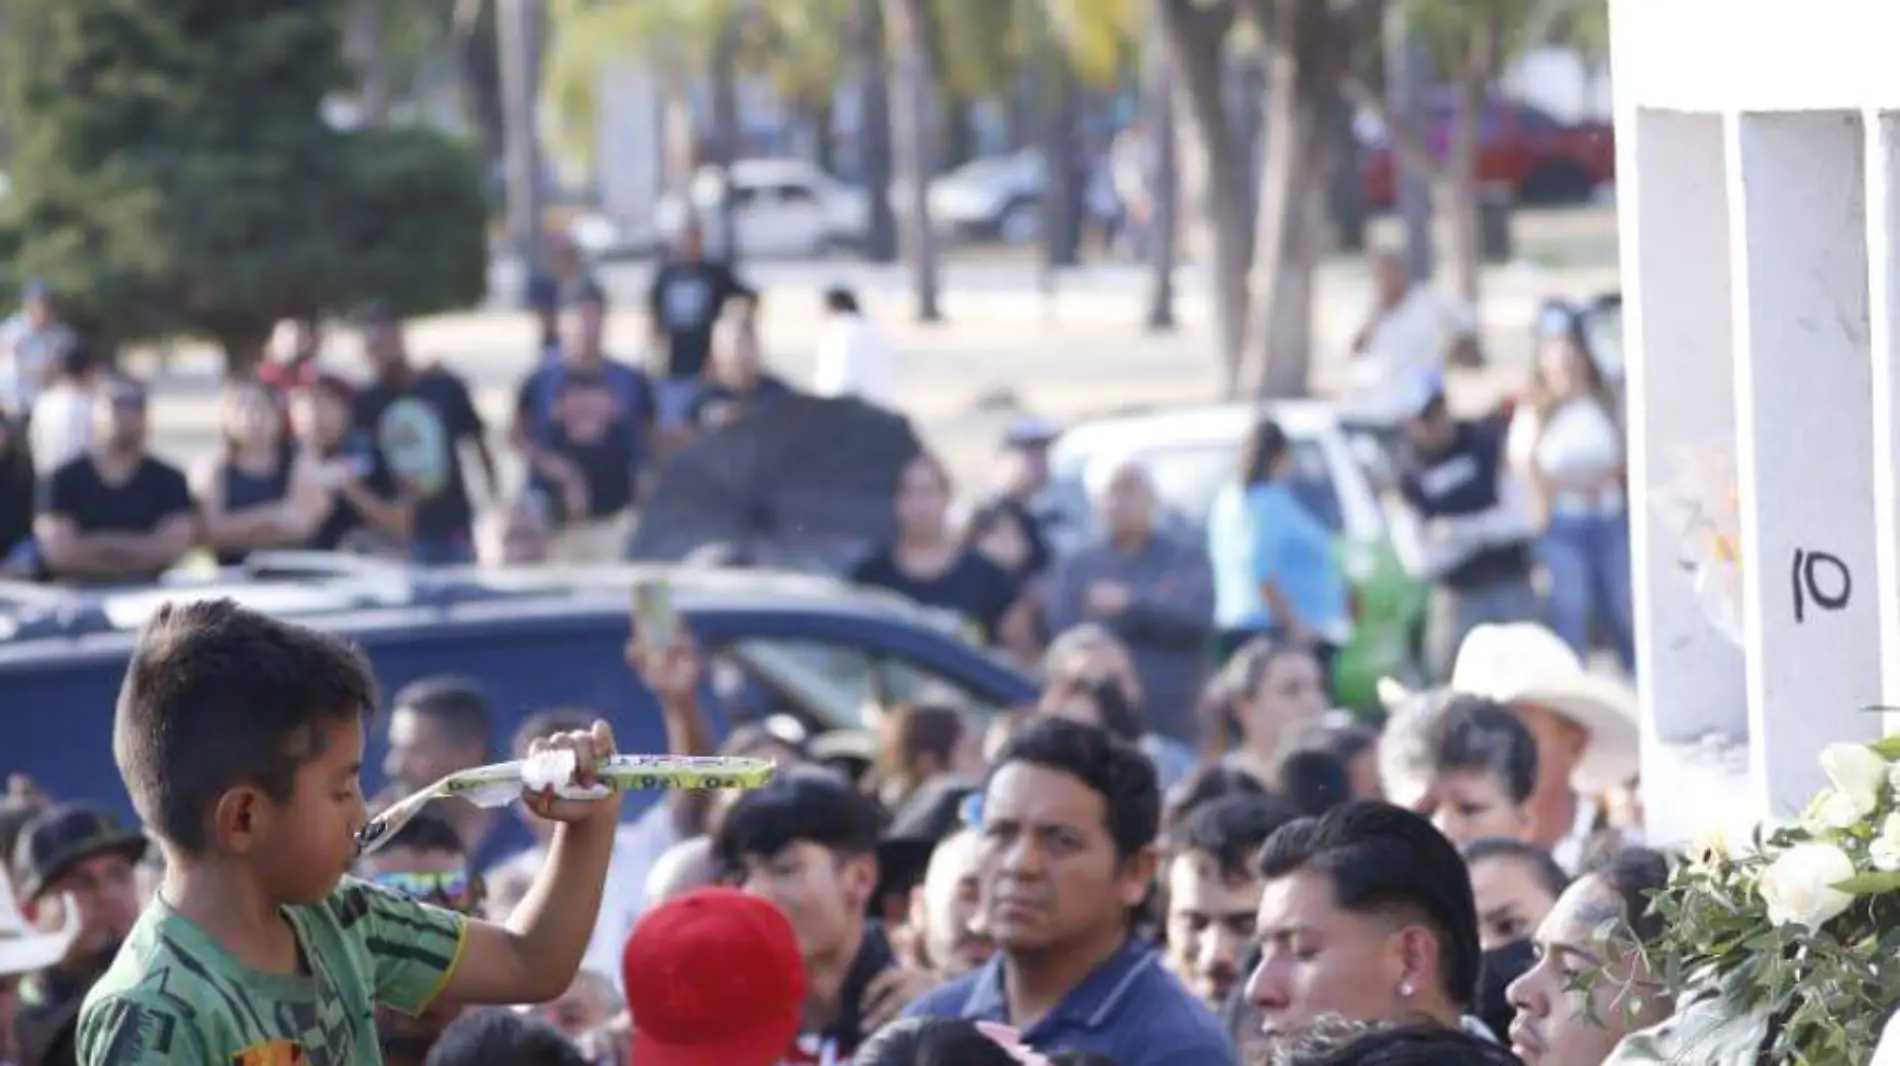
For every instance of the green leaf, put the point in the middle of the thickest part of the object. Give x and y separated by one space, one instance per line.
1870 884
1887 748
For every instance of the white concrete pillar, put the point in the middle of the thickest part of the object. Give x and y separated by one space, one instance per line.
1883 302
1804 429
1673 208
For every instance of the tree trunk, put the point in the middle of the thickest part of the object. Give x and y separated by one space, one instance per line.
517 24
478 69
1309 51
1462 190
874 133
1287 244
1164 191
910 125
1196 35
368 49
725 133
1062 193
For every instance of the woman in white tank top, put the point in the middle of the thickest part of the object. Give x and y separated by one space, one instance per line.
1567 443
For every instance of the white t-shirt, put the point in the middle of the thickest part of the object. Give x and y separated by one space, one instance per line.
1409 341
854 360
1581 441
61 429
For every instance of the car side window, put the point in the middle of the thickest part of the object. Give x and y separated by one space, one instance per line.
796 194
745 195
831 684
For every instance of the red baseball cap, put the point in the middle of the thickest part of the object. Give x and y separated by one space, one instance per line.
713 978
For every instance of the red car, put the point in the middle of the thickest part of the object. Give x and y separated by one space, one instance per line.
1541 160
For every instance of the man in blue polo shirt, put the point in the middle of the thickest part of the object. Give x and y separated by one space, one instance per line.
1069 821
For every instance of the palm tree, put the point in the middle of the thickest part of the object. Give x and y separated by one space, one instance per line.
909 27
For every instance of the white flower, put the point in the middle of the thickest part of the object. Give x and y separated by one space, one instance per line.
1885 850
1833 809
1858 771
1798 886
1893 777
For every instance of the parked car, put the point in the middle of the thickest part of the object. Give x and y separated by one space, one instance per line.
997 198
815 649
782 208
1520 148
1192 452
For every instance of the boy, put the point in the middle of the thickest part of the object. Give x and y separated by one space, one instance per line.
240 740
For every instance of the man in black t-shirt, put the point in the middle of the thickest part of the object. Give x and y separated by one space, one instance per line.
115 513
418 419
583 424
736 378
1475 527
685 300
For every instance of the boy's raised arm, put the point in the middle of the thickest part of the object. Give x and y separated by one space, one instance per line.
533 957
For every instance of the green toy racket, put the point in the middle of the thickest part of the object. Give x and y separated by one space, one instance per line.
503 783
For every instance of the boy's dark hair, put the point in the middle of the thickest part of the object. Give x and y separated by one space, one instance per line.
217 696
1385 859
1080 1058
1550 876
1315 781
1231 831
840 299
428 832
548 721
496 1036
453 702
1636 874
1476 735
1121 718
1207 783
1336 1042
1117 772
804 803
932 1041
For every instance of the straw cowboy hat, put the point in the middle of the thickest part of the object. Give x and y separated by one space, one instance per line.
24 949
1523 662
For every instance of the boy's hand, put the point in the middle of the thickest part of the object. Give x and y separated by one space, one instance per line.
589 749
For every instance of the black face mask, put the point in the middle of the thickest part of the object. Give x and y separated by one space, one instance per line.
1500 967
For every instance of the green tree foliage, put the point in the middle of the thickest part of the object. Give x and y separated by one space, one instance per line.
172 173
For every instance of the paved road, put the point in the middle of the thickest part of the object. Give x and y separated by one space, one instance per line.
1006 344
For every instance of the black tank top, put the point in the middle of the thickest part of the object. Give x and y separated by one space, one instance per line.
244 490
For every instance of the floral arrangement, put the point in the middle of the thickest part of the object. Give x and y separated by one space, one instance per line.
1703 507
1795 933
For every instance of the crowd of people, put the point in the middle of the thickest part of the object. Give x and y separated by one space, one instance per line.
1024 890
389 464
1180 854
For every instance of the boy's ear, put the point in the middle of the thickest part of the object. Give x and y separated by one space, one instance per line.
858 875
235 818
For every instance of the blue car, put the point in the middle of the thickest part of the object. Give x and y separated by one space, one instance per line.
816 649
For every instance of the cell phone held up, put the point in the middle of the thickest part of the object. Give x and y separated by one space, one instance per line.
654 619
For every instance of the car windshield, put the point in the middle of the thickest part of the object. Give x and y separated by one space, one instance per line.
1189 476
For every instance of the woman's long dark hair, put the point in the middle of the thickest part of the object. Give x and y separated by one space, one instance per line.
1261 452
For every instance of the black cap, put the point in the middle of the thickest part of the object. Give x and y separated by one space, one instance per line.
929 816
65 835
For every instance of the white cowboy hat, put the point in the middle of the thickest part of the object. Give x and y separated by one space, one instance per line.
24 949
1523 662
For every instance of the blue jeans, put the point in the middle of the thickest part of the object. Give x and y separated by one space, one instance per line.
1588 559
673 401
452 550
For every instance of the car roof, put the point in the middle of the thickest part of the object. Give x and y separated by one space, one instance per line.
339 590
1206 423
